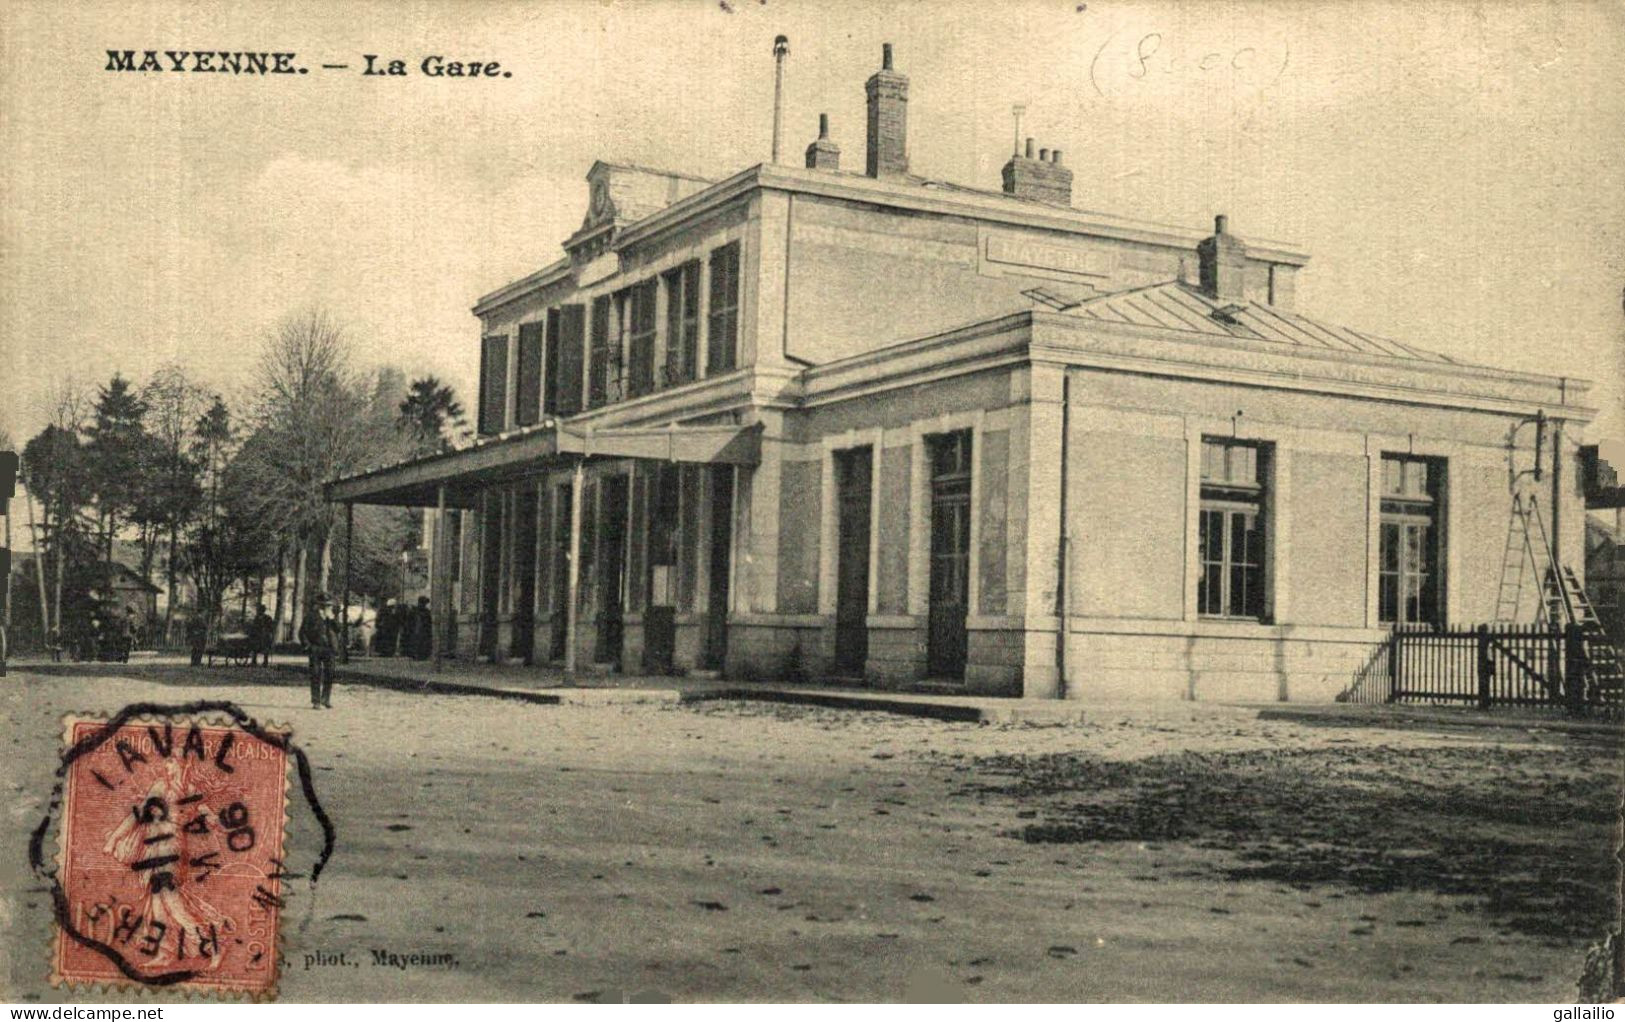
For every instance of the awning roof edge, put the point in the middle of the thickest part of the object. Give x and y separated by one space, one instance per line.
416 483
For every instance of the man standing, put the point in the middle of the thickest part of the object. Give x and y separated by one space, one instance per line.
320 634
389 628
261 637
197 635
422 630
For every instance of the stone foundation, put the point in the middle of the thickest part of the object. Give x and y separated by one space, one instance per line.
1278 667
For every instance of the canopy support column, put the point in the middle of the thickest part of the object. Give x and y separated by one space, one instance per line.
437 563
344 602
574 574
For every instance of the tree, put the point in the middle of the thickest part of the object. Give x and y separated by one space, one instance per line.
116 452
53 472
431 416
69 401
172 492
210 543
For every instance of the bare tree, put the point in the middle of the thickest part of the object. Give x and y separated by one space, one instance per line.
69 401
315 418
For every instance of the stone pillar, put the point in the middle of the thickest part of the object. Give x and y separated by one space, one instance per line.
1041 593
757 576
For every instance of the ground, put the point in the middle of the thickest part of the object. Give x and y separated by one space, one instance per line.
732 851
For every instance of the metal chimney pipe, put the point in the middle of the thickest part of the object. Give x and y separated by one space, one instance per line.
823 126
1029 147
781 48
1055 156
1220 223
885 56
1043 156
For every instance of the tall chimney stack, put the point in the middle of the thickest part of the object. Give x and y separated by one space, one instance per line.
888 119
1223 259
823 154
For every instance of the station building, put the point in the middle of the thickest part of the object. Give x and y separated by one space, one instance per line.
854 422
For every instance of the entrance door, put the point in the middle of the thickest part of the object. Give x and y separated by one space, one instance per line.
716 609
852 477
524 567
561 571
950 554
612 568
660 606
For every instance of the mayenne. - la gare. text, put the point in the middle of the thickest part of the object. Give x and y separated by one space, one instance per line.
235 62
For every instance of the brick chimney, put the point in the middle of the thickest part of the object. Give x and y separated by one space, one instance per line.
888 119
1223 259
1041 177
823 154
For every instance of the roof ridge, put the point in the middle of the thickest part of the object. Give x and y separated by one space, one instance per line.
1292 327
1128 291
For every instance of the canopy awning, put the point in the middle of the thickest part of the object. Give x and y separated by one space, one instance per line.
465 473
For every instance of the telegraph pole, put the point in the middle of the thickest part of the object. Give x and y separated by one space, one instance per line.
781 49
8 488
1557 499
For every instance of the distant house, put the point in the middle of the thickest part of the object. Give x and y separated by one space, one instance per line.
134 595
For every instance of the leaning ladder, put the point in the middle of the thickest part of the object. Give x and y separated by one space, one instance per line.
1518 557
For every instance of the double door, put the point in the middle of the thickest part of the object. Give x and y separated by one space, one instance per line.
947 638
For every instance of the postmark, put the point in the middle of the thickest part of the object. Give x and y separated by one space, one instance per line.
171 868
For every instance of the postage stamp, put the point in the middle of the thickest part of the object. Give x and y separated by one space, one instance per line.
170 866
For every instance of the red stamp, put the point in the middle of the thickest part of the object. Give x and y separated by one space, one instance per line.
170 870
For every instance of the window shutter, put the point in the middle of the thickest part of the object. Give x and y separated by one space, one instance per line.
494 389
550 365
483 427
573 338
528 402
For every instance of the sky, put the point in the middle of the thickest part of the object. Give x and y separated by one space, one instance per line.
1453 170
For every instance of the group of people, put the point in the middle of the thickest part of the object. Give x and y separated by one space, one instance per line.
101 634
261 637
408 631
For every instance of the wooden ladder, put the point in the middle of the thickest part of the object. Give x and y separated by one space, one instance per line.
1567 604
1517 558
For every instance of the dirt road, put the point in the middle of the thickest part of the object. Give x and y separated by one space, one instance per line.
753 852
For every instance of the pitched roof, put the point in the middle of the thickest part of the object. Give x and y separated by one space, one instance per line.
1176 305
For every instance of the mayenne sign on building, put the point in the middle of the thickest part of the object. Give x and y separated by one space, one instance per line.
1005 248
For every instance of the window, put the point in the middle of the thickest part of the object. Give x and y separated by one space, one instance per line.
724 318
598 361
1408 556
640 338
493 384
1231 532
528 400
571 339
682 323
